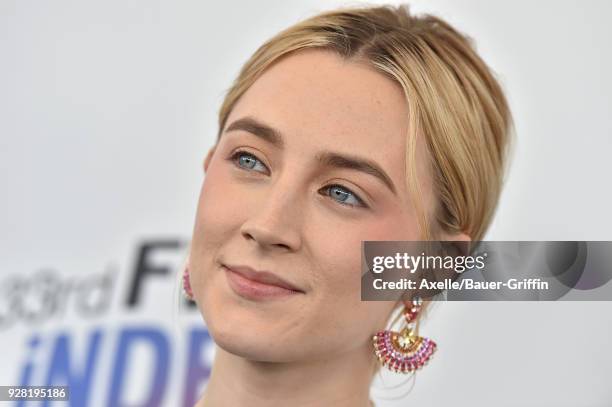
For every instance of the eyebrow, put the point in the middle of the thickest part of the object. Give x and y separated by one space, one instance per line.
326 158
355 163
256 128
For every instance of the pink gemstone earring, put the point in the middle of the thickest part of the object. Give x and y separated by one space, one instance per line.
187 291
404 351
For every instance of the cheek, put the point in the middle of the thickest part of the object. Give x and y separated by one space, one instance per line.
339 270
218 217
219 210
339 245
338 264
341 319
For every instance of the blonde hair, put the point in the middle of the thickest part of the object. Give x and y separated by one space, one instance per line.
455 103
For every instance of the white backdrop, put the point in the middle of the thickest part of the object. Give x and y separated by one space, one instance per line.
107 109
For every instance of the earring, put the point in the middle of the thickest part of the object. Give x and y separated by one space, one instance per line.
404 351
187 291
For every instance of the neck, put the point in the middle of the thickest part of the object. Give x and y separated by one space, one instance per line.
341 381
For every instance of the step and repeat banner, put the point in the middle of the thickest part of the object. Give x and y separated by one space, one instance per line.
122 336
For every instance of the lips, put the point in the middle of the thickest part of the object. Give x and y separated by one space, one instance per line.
262 277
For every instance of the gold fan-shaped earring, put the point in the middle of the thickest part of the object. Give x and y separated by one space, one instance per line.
404 351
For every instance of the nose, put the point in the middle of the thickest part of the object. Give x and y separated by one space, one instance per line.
276 222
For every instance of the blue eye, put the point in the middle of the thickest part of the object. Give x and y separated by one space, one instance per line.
343 195
340 194
248 161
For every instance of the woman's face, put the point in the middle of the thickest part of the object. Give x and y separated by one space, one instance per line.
310 163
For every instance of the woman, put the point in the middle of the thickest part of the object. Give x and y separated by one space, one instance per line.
356 124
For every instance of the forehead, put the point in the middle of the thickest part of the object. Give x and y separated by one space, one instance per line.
318 101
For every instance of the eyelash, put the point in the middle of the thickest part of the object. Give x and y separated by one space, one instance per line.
236 156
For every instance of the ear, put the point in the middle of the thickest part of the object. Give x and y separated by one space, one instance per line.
461 237
209 156
456 237
462 241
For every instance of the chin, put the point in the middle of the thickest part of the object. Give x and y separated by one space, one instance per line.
266 331
256 345
242 331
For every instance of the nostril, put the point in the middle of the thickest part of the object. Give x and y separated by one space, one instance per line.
270 235
262 240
